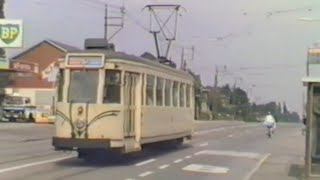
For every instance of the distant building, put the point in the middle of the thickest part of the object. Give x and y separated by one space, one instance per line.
38 59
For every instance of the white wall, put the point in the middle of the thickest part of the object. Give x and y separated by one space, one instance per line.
27 92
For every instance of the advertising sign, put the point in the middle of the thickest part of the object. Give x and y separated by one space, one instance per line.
11 33
24 66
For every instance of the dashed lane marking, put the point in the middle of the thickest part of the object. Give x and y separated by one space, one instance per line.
178 161
230 153
145 162
202 132
164 166
206 169
188 157
146 174
204 144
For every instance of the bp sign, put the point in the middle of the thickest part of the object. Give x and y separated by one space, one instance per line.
11 33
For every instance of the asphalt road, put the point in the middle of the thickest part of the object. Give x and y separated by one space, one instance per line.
222 151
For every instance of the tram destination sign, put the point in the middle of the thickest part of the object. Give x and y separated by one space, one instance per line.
81 61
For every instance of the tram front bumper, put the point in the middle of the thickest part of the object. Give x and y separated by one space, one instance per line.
73 143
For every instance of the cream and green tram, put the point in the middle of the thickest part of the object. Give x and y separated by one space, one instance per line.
111 100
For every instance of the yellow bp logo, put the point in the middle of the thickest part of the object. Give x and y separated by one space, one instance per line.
11 33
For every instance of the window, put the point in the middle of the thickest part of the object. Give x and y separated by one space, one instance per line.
150 90
83 86
188 96
60 85
168 93
112 87
182 92
159 91
13 100
175 93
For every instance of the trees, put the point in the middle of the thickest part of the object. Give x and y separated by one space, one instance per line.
285 109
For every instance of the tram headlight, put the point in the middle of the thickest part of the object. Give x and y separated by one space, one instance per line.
80 124
80 110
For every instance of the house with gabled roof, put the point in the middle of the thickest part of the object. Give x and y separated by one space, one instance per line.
38 59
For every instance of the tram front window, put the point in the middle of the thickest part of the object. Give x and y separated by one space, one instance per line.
112 89
83 86
60 85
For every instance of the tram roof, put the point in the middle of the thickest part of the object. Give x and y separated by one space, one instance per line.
121 55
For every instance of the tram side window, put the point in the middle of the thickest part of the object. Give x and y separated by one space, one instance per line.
159 91
182 92
60 85
112 87
188 95
175 93
150 90
168 93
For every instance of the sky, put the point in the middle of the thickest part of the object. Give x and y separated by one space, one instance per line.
262 53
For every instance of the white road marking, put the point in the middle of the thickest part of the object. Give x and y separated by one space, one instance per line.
250 174
210 130
34 164
204 144
145 162
129 179
164 166
229 153
230 136
178 160
206 169
146 174
188 157
202 132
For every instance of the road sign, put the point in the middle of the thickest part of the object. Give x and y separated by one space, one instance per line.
11 33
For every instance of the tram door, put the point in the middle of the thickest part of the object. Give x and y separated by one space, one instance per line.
131 81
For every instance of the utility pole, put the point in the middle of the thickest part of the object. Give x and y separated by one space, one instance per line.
216 78
182 65
186 56
106 23
113 21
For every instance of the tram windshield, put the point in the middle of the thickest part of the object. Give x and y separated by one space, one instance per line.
83 87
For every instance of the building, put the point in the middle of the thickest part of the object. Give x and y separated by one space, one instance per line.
40 59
